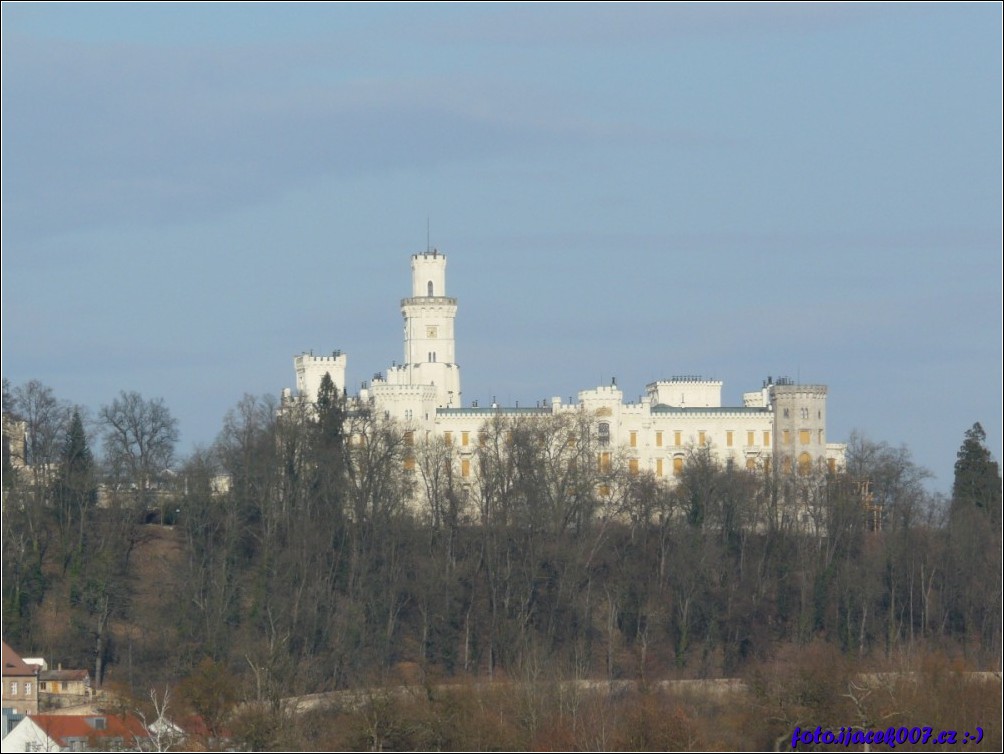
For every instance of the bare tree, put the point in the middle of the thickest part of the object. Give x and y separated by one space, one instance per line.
139 437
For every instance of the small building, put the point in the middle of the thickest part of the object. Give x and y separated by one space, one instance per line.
20 684
60 688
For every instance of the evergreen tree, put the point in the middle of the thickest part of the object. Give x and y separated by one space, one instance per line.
977 476
330 415
76 491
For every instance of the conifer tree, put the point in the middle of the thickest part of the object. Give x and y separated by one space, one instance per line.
76 492
977 476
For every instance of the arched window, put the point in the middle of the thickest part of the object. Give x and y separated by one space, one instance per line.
805 464
430 287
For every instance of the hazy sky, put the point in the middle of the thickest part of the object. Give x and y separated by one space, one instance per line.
194 193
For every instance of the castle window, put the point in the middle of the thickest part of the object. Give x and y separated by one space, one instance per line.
749 438
465 468
634 439
603 433
409 438
831 464
804 436
465 438
658 467
804 464
786 413
633 466
702 438
751 464
604 462
658 439
766 438
430 287
678 466
728 438
678 438
409 463
448 438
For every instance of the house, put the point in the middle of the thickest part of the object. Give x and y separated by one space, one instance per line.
76 733
20 684
59 688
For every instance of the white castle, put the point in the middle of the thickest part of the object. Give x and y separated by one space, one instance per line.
782 425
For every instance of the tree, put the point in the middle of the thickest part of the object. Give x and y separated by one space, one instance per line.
45 417
977 476
139 440
75 492
975 543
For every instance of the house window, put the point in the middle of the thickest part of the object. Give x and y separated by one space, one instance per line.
27 688
634 439
658 439
13 688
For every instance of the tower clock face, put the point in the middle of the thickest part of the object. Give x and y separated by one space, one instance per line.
431 332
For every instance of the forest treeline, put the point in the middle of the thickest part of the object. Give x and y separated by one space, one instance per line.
313 549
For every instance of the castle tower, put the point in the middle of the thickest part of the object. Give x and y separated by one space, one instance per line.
429 344
799 426
310 371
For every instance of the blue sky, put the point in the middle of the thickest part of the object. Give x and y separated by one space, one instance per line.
194 193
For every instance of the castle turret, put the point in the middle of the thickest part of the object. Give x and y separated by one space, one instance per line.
310 371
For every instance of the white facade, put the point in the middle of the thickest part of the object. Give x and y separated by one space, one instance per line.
780 423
